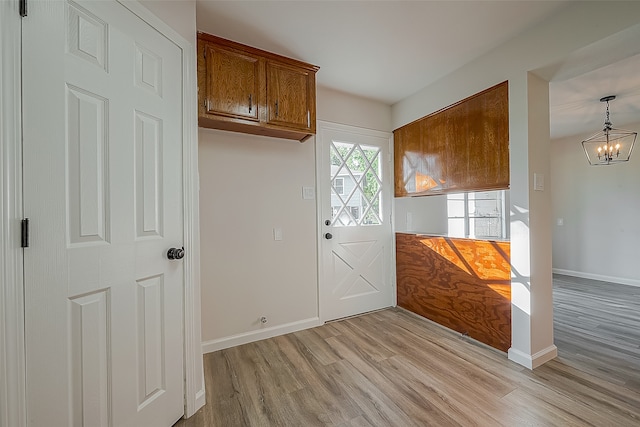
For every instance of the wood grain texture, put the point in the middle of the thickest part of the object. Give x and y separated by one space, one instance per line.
407 150
238 86
394 368
464 147
232 82
290 98
462 284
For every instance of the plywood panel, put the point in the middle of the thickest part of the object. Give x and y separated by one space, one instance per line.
462 284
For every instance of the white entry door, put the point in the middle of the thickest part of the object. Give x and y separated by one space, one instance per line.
355 206
102 117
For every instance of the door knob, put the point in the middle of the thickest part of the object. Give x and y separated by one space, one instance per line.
175 253
328 236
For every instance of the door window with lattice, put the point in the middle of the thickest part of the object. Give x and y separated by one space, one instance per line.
356 184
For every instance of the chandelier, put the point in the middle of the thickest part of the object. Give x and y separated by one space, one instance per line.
611 145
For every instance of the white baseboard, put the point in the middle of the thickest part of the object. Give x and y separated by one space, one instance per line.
612 279
247 337
532 361
200 398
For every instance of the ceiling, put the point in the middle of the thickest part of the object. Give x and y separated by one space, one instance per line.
575 107
388 50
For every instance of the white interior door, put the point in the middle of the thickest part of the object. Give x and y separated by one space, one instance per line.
356 247
103 189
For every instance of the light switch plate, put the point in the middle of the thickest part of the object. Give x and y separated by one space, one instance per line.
308 193
277 233
538 182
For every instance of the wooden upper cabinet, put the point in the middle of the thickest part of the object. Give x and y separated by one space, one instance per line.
290 96
464 147
408 159
244 89
232 83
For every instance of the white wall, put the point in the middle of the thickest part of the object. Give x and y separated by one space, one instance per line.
599 206
543 48
339 107
178 14
248 186
426 215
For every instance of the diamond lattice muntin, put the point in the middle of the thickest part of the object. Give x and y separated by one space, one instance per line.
356 185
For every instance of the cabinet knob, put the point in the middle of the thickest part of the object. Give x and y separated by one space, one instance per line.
250 103
276 108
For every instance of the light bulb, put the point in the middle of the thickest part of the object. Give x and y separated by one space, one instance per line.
599 149
617 146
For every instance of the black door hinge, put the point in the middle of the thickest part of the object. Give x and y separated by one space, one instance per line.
24 233
23 8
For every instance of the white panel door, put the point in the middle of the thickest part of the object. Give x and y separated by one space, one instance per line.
356 236
103 189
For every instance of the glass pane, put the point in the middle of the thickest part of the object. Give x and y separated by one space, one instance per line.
456 227
483 210
485 227
455 208
355 172
372 218
338 185
488 206
370 153
357 161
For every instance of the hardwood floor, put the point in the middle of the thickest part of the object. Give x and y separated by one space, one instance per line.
391 368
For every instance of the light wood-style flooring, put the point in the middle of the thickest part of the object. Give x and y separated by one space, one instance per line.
391 368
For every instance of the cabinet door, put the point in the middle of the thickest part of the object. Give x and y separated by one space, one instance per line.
232 83
407 158
489 139
290 97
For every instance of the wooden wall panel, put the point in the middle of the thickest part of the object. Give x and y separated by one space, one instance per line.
464 147
462 284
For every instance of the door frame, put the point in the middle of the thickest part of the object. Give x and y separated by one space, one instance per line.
322 127
13 404
12 357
